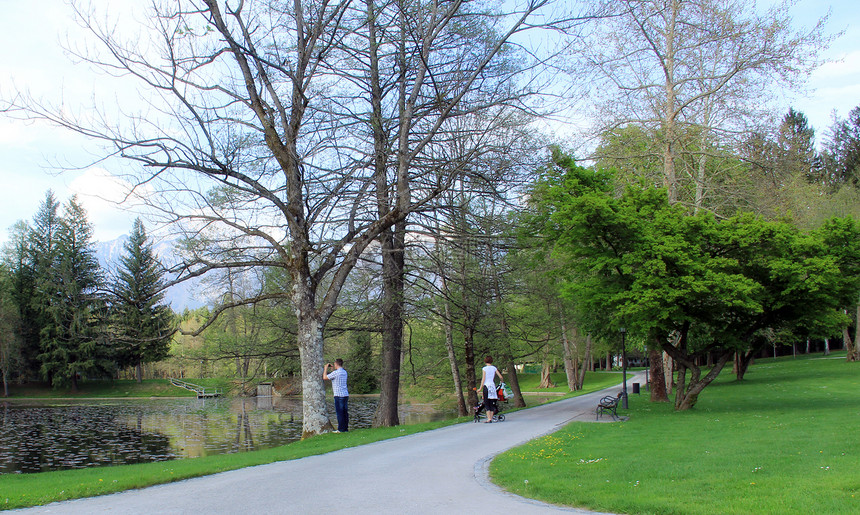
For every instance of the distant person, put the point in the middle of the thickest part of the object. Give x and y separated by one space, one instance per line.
341 394
488 377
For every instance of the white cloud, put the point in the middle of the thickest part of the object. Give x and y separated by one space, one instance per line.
842 66
105 198
835 89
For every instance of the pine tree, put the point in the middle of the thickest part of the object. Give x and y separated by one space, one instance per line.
36 261
796 144
143 325
10 331
842 154
72 343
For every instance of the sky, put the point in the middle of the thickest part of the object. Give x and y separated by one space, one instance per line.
32 153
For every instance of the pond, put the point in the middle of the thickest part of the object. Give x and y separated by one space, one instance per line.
37 436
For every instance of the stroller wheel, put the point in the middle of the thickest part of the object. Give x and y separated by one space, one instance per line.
501 418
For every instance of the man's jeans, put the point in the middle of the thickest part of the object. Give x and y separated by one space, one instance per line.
342 410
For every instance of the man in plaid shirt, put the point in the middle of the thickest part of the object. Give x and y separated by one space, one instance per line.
341 394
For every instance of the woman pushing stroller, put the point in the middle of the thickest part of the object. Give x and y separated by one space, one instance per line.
488 378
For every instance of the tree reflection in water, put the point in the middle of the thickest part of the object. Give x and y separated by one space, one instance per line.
51 437
38 436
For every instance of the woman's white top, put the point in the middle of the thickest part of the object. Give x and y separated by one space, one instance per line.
489 381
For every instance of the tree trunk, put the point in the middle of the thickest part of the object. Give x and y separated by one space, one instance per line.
658 379
462 410
827 346
545 380
392 240
310 339
743 363
392 325
139 372
587 363
700 177
681 383
848 345
857 334
687 397
507 356
514 382
471 380
670 180
668 369
687 393
569 366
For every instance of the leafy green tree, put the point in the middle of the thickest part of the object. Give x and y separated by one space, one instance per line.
841 236
693 285
72 342
363 371
143 324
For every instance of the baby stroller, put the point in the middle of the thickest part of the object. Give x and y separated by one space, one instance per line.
480 409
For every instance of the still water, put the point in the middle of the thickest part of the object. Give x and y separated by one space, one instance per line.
38 436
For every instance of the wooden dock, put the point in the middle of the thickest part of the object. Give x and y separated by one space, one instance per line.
202 392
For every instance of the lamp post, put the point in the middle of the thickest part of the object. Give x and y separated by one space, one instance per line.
623 369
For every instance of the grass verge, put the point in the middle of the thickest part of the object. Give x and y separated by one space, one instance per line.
777 442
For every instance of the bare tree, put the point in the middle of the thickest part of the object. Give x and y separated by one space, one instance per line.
424 68
694 74
251 141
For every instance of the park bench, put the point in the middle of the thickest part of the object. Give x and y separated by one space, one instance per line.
608 404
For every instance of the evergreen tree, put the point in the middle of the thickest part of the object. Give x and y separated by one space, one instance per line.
70 341
36 261
143 325
842 154
796 143
10 331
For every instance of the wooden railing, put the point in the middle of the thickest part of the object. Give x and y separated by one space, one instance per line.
201 391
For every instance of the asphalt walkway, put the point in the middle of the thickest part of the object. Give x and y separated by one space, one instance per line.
439 471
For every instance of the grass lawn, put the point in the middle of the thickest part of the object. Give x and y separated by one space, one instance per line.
593 381
781 441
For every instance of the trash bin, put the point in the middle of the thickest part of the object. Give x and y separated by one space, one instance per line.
635 387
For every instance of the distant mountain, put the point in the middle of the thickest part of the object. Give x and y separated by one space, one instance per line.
185 295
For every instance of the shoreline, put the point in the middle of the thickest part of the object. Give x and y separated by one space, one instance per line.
153 398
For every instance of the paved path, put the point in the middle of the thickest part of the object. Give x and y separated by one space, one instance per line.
439 471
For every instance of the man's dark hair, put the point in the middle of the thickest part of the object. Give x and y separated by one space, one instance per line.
339 362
